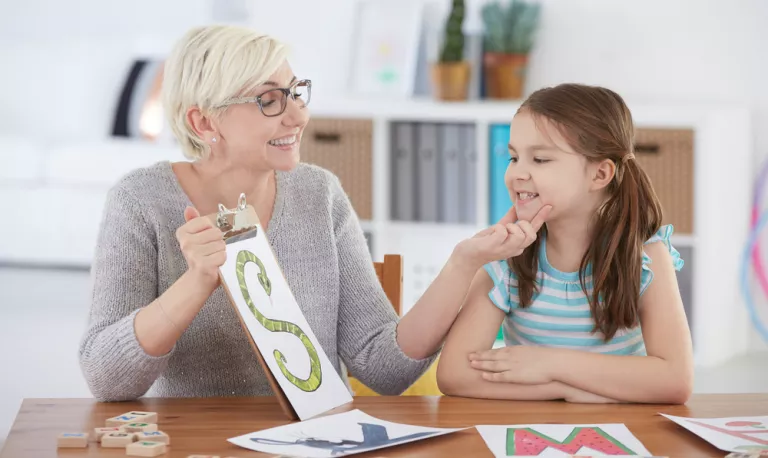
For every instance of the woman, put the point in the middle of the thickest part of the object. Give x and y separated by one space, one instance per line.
158 316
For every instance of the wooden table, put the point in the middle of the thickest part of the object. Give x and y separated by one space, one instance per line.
201 426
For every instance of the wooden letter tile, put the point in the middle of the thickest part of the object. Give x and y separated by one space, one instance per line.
154 436
72 440
117 439
139 427
123 420
146 448
99 432
145 417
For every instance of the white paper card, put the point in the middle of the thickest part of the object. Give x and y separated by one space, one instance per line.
731 434
561 440
342 434
280 330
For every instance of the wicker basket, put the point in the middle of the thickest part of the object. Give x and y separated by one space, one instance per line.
666 155
345 147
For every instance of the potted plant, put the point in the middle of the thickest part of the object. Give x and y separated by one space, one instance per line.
450 76
509 36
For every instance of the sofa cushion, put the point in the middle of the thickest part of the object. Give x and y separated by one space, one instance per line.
59 226
102 163
21 160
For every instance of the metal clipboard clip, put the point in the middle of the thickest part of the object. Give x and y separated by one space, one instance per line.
236 221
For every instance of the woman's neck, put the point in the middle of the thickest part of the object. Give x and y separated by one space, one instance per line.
222 183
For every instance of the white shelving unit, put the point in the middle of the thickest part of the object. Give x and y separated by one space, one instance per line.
722 192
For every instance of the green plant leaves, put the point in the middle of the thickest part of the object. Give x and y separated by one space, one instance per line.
510 29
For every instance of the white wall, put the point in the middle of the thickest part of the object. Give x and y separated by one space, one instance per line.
648 50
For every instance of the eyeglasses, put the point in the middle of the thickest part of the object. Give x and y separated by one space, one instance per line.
273 102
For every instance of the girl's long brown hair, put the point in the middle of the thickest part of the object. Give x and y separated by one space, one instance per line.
597 124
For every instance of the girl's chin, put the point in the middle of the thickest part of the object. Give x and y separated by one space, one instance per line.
527 210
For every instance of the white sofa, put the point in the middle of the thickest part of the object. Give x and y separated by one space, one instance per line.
57 158
52 194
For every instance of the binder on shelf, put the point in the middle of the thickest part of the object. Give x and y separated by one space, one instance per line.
467 174
449 173
427 182
498 160
403 165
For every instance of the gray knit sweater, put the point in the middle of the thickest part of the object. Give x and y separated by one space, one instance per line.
320 247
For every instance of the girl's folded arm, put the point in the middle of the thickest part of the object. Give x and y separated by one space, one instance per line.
474 330
666 374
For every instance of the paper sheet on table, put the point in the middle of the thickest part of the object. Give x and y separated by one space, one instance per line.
731 434
336 435
561 440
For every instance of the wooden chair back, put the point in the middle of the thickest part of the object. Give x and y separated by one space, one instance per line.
390 273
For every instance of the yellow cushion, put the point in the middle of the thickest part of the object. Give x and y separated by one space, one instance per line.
426 385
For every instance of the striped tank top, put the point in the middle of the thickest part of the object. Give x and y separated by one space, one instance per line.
559 315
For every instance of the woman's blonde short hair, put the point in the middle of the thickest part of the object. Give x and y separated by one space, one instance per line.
209 65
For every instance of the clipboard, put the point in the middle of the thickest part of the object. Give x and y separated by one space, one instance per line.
323 388
232 223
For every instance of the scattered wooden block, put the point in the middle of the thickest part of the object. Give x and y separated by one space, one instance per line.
139 427
124 419
72 440
146 417
117 439
99 432
154 436
146 448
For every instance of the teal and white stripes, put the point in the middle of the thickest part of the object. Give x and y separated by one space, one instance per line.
560 315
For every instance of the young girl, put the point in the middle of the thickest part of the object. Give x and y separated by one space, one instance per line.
591 310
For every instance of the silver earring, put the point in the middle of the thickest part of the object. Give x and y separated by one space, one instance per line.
213 139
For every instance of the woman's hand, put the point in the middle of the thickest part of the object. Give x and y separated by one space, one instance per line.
521 364
503 240
202 245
